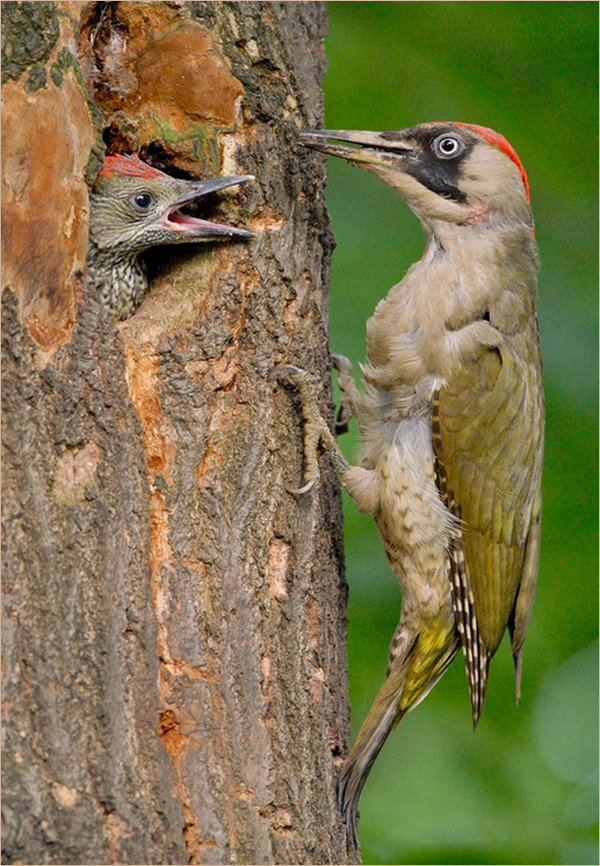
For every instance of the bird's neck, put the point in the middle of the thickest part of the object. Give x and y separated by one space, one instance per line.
118 278
466 268
464 272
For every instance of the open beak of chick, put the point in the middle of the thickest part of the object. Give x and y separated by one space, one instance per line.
176 219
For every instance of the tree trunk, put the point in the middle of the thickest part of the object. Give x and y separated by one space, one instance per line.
173 619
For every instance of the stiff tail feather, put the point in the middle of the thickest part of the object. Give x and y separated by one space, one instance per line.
416 664
383 716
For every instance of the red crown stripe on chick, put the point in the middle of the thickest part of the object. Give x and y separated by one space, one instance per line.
128 165
501 143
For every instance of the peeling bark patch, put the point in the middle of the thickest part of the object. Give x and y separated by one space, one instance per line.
281 821
177 744
142 380
64 796
267 219
180 668
277 569
170 733
266 673
75 471
161 555
317 674
217 374
116 828
142 376
160 438
316 683
46 138
187 72
166 84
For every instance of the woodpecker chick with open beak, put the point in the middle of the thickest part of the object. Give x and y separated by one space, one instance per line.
134 206
451 417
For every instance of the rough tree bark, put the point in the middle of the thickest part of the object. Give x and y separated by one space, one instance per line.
173 619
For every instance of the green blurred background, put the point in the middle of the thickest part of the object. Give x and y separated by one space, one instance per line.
523 788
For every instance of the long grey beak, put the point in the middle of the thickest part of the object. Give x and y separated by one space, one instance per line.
193 227
212 184
381 141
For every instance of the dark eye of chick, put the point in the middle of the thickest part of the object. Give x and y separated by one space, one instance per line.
142 200
447 146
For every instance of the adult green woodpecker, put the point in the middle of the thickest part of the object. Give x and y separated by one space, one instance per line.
134 206
451 416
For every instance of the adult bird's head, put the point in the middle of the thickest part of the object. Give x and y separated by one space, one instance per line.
135 206
450 172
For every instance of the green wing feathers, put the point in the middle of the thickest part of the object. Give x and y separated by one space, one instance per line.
488 432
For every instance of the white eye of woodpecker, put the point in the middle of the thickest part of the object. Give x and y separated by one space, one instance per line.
142 201
447 146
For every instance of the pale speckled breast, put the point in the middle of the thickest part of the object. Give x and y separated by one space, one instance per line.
415 525
119 282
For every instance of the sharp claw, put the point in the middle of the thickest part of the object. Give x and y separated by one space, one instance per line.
341 426
341 363
299 491
285 370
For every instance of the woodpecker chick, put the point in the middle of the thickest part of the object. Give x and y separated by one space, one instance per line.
134 206
451 417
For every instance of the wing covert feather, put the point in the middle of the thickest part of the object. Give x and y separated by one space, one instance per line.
490 420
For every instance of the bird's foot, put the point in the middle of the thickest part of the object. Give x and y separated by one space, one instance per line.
349 392
316 431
